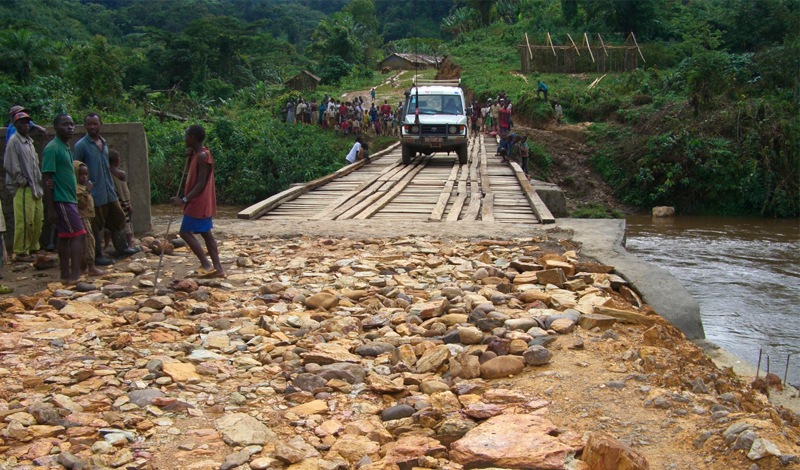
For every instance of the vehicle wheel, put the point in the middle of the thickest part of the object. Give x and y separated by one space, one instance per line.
462 152
408 154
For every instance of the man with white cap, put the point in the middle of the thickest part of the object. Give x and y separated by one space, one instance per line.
24 181
10 130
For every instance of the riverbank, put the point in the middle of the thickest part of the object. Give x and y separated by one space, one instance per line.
351 344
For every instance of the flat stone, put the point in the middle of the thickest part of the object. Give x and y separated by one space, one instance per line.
511 441
501 366
354 448
563 326
236 459
551 276
329 353
314 407
240 429
180 371
144 397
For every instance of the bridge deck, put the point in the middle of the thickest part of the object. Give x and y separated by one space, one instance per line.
434 188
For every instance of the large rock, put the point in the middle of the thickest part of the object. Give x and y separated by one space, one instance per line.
240 429
762 448
537 355
512 441
433 359
430 309
551 276
663 211
603 452
501 366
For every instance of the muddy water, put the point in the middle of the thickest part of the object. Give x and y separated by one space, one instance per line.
744 273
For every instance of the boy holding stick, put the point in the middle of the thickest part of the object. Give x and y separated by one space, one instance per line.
200 202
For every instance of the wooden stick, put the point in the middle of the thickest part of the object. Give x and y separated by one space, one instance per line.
573 44
551 44
637 46
529 45
588 46
603 44
169 225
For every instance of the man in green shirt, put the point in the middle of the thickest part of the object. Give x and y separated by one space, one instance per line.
60 195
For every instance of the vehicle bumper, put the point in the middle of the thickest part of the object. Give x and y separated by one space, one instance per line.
439 142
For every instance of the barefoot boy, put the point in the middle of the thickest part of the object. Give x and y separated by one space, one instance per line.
86 211
60 196
200 202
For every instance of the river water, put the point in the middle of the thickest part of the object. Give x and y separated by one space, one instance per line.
744 273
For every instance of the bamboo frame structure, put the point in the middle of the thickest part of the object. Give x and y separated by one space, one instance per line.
570 57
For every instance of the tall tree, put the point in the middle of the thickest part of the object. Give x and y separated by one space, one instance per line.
24 53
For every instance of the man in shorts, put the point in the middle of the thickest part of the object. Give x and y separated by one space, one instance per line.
60 195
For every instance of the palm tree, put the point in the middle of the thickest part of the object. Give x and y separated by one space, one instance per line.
22 53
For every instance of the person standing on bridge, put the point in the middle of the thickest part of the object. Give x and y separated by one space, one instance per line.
200 202
495 117
503 117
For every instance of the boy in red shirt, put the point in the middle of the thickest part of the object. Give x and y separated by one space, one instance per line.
200 202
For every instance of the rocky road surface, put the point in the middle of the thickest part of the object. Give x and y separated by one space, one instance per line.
371 354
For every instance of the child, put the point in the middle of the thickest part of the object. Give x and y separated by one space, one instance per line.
120 179
524 152
345 127
365 121
514 153
200 202
356 126
86 211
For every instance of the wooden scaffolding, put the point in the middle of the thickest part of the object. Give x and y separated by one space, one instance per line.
584 58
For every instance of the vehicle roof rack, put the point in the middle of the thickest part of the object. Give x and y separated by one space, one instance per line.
429 82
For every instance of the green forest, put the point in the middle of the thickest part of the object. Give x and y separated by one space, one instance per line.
709 123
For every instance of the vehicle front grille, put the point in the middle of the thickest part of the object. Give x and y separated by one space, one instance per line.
434 129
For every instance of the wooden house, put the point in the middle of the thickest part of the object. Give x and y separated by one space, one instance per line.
304 80
401 61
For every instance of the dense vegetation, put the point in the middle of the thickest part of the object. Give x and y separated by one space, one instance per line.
709 124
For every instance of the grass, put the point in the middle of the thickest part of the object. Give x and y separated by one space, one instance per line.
593 210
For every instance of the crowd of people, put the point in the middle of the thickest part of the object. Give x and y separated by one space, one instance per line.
84 195
345 117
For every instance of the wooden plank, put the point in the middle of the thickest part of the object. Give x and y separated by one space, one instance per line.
258 209
355 196
625 316
455 210
474 207
383 201
487 211
536 203
363 200
550 40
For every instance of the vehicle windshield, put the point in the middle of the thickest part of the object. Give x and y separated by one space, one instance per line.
435 104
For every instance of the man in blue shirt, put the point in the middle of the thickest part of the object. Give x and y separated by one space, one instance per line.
541 88
11 130
92 150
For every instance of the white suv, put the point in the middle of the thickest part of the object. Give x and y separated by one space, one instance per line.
435 120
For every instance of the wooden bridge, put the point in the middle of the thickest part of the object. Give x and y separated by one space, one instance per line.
434 188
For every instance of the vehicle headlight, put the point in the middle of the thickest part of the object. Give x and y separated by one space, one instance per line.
415 129
453 129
